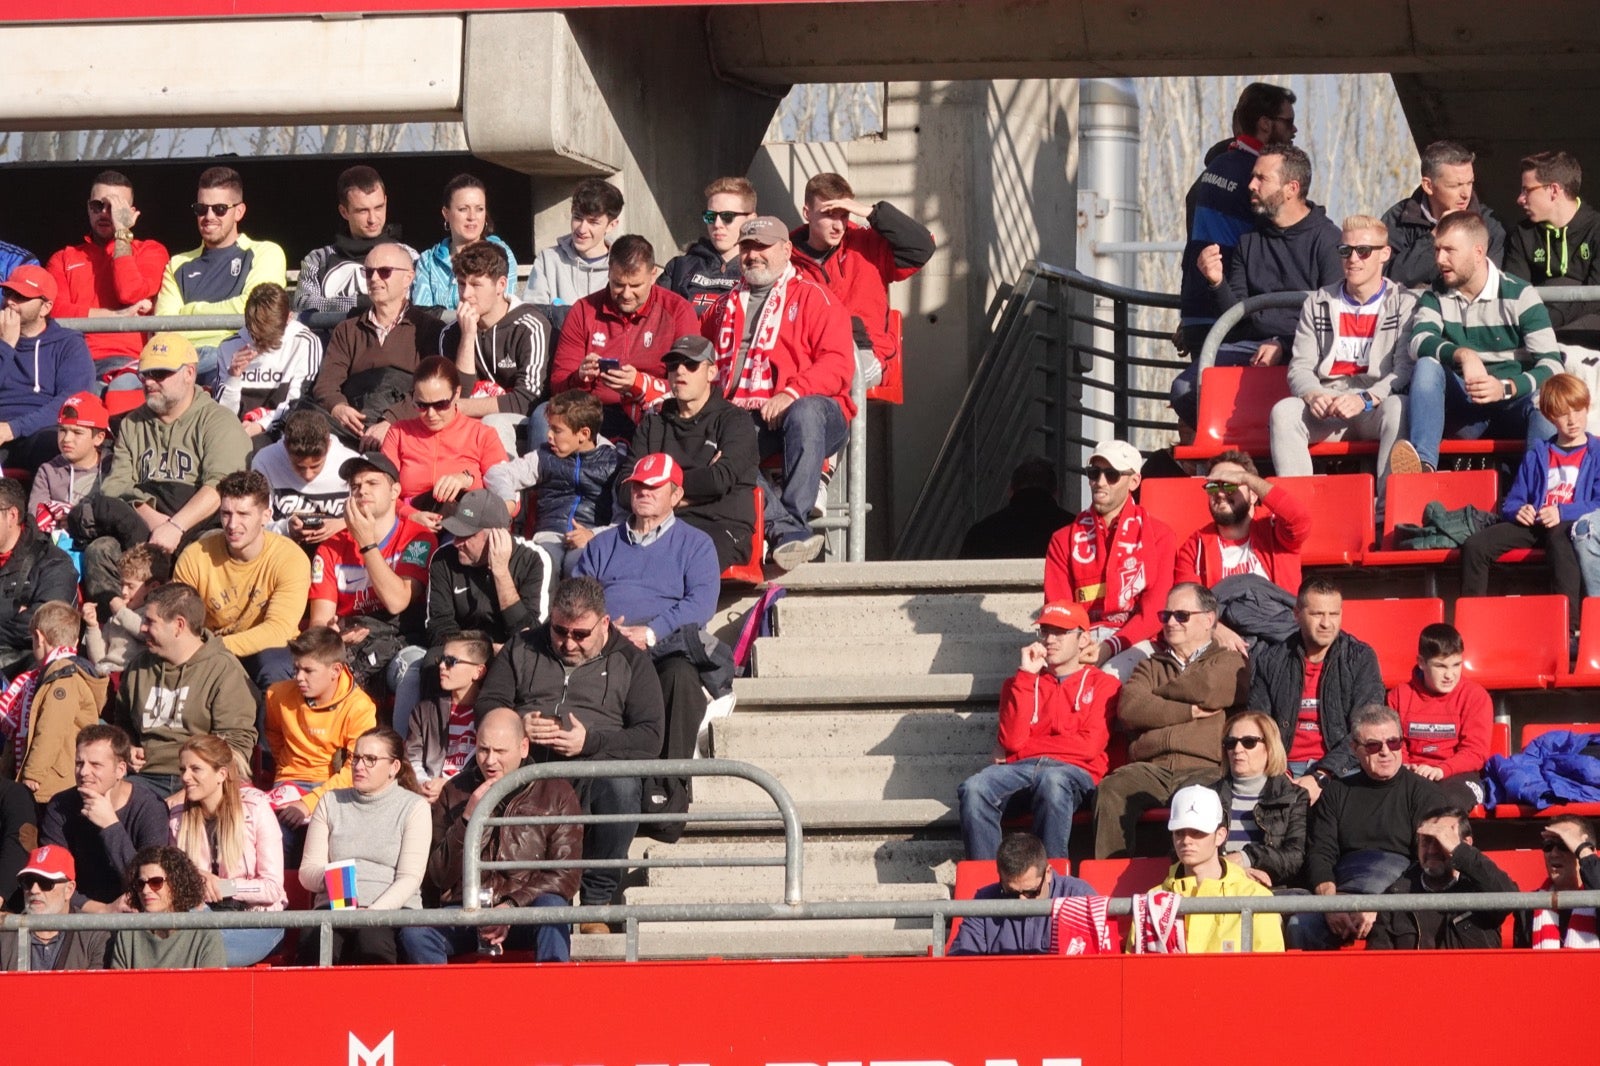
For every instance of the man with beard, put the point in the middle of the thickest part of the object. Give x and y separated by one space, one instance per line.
1116 559
48 882
332 277
1446 862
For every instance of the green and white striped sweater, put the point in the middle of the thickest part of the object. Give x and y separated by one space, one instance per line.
1506 324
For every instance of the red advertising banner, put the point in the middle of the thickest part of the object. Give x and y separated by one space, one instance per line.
111 11
1463 1007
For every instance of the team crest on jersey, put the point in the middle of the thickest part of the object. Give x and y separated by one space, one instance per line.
794 311
1538 255
235 267
648 338
598 340
317 570
416 553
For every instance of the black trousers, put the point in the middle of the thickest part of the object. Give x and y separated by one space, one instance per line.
1484 547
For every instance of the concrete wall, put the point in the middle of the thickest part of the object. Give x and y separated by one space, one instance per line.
990 167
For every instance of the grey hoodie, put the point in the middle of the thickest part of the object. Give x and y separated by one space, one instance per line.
560 276
162 705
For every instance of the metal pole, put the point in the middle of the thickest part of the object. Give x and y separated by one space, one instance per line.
856 535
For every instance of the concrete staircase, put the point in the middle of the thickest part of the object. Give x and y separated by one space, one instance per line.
873 701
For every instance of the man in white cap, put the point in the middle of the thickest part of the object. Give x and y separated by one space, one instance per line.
1116 559
1199 828
661 580
48 882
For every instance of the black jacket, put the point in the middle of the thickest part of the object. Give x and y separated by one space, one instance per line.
1447 930
616 695
717 450
699 275
36 573
1350 680
463 597
1358 813
1411 239
1281 815
1548 257
1301 257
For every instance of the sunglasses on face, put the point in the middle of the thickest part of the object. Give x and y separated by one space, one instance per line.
433 405
43 884
1373 747
99 207
1552 846
726 216
1221 488
578 636
1017 893
154 884
1105 473
1180 617
1362 251
1247 743
369 761
157 376
451 662
382 272
216 209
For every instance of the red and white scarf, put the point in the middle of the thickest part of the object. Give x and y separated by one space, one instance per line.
1581 931
1111 589
16 700
1078 926
757 382
1157 929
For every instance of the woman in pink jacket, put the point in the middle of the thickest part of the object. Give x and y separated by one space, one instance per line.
232 836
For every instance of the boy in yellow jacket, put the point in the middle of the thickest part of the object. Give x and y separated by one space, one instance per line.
313 719
59 697
1199 829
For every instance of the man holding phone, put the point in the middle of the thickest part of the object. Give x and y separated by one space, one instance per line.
584 691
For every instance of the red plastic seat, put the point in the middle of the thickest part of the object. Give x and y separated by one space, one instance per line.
973 874
1533 730
1391 627
1500 739
1343 526
1586 674
892 388
1123 877
121 401
750 573
1235 409
1180 502
1405 495
1514 641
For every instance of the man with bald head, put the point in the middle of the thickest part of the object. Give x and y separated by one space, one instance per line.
502 748
365 380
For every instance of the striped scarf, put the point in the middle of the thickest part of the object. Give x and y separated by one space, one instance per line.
1581 932
1078 926
1156 928
757 381
16 700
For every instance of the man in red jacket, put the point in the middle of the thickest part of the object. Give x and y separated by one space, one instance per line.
784 351
1115 559
1447 719
611 335
858 263
1055 722
109 272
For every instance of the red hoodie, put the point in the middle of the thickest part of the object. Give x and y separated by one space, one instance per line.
89 277
1122 581
1450 731
1275 540
1063 718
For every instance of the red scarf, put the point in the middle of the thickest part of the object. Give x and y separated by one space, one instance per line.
1110 588
1157 929
17 699
757 381
1078 926
1581 931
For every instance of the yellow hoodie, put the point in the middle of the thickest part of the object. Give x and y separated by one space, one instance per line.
304 739
1214 933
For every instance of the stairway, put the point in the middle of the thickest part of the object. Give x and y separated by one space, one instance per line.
873 701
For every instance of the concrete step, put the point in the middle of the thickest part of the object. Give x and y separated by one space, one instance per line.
827 693
886 816
776 940
900 614
996 574
863 865
861 778
759 736
841 657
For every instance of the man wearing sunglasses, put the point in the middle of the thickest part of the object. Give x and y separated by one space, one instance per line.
1025 873
215 278
1558 243
1116 559
110 272
1363 829
710 266
48 881
1292 249
1571 863
1448 184
1351 358
585 691
1447 861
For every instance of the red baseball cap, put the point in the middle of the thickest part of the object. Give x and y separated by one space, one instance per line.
657 469
84 409
1064 614
52 862
29 281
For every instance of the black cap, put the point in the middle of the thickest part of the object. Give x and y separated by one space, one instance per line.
690 348
369 461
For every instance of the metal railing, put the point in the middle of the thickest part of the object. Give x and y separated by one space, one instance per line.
1060 370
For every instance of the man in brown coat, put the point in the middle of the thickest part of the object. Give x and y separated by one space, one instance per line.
502 748
1174 709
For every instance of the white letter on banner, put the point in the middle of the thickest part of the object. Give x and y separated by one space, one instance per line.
382 1055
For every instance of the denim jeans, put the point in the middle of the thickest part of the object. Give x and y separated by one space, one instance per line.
430 945
404 675
813 428
1185 401
607 795
246 947
1055 791
163 785
1359 873
1586 543
1440 405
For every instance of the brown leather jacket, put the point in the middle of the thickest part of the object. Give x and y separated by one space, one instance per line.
441 886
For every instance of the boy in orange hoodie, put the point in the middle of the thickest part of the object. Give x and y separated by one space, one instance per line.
1447 719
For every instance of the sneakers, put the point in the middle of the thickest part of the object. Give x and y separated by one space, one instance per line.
820 508
1403 459
793 553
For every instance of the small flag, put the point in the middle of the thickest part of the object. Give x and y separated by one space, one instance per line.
340 880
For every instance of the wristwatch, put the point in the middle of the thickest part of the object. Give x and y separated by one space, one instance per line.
1510 390
1585 846
1366 400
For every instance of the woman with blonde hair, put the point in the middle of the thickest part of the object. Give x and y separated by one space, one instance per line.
1267 812
231 835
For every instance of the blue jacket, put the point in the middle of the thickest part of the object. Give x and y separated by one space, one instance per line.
13 256
1013 936
1529 485
1218 212
669 583
38 375
435 283
1549 770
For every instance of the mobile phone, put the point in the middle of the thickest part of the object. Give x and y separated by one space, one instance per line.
311 521
610 364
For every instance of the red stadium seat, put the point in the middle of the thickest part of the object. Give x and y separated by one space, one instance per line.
1123 877
1235 407
1500 739
121 401
1180 502
1391 627
1343 527
973 874
1525 866
1538 729
1514 641
750 573
892 388
1586 674
1405 495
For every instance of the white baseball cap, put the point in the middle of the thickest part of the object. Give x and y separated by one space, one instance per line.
1196 807
1120 454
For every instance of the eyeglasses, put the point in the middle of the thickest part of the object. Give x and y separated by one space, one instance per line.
1221 488
561 632
1097 473
216 209
157 376
1362 251
451 662
1373 747
382 272
1529 190
1180 617
1247 743
1017 893
434 405
369 761
43 884
99 207
726 216
155 884
1551 846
